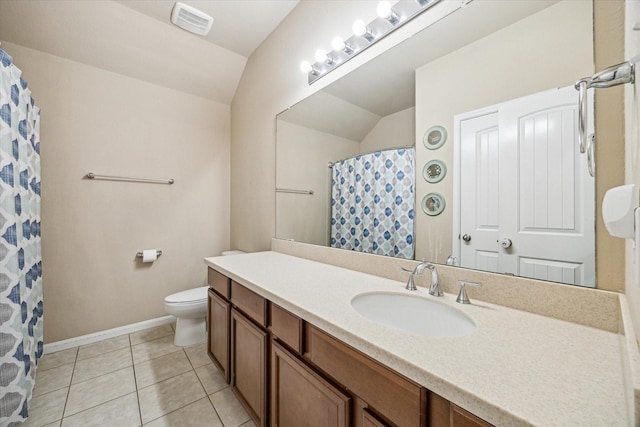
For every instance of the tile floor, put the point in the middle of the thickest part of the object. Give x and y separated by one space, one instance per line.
140 379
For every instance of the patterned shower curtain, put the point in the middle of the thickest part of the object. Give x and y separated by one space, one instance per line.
373 202
20 254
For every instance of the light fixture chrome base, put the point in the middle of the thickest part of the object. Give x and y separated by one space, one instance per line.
403 11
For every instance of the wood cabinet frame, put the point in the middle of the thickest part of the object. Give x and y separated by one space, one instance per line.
249 366
345 380
219 339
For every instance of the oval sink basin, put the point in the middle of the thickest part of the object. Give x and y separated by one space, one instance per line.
413 314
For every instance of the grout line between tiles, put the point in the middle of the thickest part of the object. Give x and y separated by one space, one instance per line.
95 406
103 353
182 407
137 390
215 409
165 379
153 358
135 380
105 373
66 399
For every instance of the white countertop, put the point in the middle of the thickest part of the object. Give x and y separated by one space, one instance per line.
516 368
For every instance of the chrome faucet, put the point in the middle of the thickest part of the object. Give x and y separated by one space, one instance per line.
462 295
434 289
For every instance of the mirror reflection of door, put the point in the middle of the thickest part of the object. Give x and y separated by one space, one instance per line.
527 202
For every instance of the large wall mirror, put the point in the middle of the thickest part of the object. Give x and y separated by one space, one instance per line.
484 94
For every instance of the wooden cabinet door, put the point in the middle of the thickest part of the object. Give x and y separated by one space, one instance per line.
463 418
370 420
301 397
218 337
249 366
443 413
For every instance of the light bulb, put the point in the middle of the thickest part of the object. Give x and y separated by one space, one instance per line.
338 43
359 28
305 67
384 9
386 12
322 57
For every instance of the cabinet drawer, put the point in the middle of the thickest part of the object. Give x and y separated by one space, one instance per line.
286 326
219 282
401 401
252 304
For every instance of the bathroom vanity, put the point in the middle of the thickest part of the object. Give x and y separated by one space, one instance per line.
294 350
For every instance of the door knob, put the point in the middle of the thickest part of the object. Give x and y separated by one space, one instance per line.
466 238
506 243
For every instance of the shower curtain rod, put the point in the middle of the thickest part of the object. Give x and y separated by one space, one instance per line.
330 164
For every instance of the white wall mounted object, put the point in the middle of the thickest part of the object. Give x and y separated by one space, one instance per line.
191 19
621 216
618 209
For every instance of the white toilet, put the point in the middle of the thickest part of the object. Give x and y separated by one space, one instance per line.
190 308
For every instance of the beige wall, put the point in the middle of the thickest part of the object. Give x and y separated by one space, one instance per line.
466 80
394 130
303 155
97 121
610 138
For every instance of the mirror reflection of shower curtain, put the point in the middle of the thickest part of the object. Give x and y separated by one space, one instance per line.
372 206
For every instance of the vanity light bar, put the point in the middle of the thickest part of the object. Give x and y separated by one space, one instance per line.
390 18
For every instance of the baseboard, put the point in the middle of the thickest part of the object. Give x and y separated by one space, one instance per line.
109 333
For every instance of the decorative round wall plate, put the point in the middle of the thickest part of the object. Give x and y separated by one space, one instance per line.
433 204
434 137
434 171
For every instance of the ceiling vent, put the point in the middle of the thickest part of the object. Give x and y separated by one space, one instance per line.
191 19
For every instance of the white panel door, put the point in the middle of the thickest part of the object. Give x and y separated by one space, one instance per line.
479 162
547 189
545 207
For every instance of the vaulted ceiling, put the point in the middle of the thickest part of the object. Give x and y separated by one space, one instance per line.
137 39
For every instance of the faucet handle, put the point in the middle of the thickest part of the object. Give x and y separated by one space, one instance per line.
462 296
410 284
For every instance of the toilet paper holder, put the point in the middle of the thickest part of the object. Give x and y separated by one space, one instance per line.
139 254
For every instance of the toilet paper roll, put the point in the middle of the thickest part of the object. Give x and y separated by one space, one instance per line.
149 255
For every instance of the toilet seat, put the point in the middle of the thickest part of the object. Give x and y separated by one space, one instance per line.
190 296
